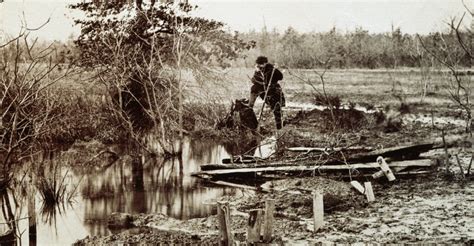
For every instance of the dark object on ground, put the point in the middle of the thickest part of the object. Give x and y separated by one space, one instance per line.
120 220
245 144
241 159
240 116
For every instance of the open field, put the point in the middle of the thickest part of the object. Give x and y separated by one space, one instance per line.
379 87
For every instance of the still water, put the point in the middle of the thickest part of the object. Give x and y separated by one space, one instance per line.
102 186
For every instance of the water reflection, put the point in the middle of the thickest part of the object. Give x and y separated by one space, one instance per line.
137 184
133 183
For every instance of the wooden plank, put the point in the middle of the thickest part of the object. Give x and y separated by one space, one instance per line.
316 149
239 186
318 210
358 186
254 226
396 153
268 226
293 168
405 174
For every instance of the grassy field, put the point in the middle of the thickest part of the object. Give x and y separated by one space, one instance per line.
362 86
209 99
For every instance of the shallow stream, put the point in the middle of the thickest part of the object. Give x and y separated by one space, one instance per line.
104 186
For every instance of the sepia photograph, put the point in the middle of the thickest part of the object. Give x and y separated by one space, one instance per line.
236 122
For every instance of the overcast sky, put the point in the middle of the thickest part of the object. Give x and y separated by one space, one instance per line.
412 16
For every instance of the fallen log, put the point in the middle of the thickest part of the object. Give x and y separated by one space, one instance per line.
238 169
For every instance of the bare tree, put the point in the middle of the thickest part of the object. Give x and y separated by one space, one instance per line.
458 86
26 73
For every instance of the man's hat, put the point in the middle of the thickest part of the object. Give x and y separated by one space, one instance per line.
261 60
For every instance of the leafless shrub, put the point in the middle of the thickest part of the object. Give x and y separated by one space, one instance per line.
458 86
26 73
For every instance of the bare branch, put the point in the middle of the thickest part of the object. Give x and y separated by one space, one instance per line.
467 8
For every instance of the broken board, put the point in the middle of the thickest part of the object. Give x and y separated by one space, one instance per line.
395 153
239 169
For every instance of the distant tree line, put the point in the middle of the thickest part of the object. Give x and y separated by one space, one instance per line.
355 49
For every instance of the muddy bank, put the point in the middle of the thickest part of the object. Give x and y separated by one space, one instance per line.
429 210
433 208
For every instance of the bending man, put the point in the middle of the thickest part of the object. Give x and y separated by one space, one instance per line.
265 85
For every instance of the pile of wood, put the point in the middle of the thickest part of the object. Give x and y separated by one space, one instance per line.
388 162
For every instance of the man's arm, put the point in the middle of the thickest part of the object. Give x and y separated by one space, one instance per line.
274 75
258 78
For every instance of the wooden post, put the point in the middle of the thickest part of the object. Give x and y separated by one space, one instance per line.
369 193
268 226
460 166
254 226
358 186
470 164
225 233
385 168
318 210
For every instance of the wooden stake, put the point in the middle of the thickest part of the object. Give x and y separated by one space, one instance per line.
469 167
318 210
460 166
254 226
386 170
369 193
358 186
268 226
223 214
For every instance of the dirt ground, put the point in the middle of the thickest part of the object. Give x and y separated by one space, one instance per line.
433 208
423 210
